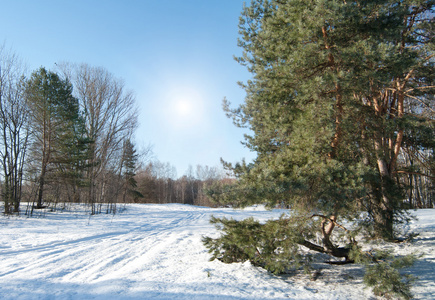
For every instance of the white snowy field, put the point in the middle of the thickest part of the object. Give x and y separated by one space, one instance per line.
155 252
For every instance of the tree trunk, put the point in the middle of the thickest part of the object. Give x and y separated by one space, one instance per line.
327 227
40 189
40 192
382 210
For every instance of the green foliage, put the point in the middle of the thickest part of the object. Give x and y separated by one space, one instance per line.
329 111
60 142
325 105
72 153
383 273
129 161
386 281
273 245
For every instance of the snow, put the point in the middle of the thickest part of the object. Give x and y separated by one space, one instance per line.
155 252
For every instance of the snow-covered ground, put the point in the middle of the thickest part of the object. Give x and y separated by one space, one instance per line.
155 252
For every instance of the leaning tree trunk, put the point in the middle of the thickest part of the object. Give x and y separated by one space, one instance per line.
327 227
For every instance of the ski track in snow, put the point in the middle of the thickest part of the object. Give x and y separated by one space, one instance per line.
155 252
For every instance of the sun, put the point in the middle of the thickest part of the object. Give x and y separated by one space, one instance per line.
185 108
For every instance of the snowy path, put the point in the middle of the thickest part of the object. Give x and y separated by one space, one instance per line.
147 252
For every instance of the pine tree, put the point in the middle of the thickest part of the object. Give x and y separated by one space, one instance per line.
73 151
55 119
326 106
326 103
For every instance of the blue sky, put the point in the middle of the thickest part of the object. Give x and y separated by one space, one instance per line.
175 55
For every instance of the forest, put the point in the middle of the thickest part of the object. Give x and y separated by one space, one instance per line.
67 136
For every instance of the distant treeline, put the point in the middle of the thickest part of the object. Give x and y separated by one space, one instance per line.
153 183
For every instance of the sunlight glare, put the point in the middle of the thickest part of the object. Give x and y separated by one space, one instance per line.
186 108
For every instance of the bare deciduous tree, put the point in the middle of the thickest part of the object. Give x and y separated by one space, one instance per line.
13 129
111 118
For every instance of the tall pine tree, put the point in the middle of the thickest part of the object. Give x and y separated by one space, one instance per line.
58 129
331 81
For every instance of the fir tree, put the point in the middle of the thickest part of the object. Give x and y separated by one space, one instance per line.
129 161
